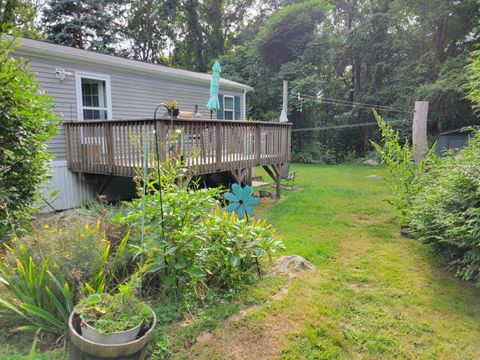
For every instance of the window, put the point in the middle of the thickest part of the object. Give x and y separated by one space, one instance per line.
93 97
228 108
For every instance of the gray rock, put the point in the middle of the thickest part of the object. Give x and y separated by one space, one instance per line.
370 162
373 177
292 264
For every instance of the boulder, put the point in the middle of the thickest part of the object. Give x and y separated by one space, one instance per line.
292 264
370 162
373 177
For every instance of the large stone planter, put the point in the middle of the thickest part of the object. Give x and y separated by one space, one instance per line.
81 348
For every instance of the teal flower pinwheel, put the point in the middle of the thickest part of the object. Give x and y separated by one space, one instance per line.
241 200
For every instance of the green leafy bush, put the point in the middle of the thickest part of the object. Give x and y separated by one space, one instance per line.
199 244
27 122
403 175
446 213
193 243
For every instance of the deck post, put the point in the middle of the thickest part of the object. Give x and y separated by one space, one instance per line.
239 175
69 146
274 173
249 177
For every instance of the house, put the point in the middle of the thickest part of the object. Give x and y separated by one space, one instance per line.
106 101
452 140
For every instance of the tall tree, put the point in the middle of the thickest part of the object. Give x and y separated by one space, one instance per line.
208 29
149 29
383 52
189 50
20 15
87 24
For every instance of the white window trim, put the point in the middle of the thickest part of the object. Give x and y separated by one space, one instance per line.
79 75
232 110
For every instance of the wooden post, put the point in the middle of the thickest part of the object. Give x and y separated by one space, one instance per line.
419 130
274 173
69 146
249 176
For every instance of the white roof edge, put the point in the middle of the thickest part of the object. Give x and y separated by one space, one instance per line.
66 52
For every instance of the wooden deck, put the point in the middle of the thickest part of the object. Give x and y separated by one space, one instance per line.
116 147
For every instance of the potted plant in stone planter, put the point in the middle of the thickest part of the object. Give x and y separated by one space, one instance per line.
172 108
119 324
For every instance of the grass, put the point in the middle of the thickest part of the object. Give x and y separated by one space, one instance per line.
375 295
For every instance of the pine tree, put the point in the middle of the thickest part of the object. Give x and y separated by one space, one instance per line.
87 24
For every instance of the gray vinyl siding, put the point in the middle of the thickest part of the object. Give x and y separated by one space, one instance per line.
134 95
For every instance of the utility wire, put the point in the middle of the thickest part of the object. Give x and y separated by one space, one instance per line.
345 126
345 102
328 102
338 102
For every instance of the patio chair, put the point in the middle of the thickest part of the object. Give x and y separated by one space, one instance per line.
287 177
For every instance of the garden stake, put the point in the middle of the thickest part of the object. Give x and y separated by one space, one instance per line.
256 258
145 175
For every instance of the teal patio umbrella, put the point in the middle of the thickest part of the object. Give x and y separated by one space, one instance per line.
213 103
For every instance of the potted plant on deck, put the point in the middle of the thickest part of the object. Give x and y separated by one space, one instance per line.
172 108
119 324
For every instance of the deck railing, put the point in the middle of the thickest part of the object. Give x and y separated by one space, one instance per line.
117 147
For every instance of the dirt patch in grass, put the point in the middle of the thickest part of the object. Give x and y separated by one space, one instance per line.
258 332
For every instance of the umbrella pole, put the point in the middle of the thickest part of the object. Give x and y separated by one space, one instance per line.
211 114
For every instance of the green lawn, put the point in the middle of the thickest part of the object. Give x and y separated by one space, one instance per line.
375 294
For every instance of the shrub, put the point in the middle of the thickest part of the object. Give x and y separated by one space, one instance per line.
234 247
199 244
193 243
403 175
446 213
27 122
